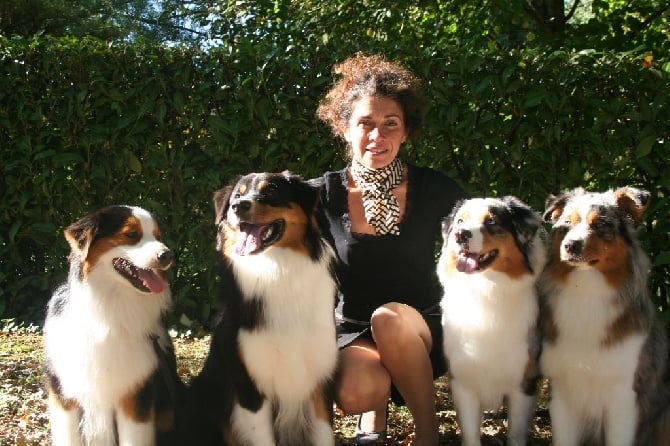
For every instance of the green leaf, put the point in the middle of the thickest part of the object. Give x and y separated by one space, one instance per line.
14 229
134 163
644 147
662 258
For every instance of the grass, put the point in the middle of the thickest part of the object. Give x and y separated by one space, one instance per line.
23 408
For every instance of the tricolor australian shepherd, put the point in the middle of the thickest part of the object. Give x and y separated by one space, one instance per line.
492 254
110 365
605 353
266 380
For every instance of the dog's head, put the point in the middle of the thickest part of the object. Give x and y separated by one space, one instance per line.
122 244
498 234
591 229
261 211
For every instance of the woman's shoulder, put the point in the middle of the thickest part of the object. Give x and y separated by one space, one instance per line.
332 185
433 179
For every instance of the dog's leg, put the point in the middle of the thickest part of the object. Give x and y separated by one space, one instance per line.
132 432
64 423
519 413
621 418
469 414
135 418
321 415
253 428
98 427
566 426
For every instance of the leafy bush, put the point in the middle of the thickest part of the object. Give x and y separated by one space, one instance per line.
85 124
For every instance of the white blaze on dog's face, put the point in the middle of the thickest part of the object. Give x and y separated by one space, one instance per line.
491 234
123 244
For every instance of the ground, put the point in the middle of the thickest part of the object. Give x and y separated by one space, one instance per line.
23 410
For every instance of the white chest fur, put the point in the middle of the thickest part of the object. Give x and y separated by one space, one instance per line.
583 310
295 349
487 320
100 346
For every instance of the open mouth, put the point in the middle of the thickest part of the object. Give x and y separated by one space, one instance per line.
469 262
255 238
145 280
577 260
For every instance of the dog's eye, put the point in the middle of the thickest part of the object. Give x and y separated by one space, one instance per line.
270 188
459 221
133 235
603 227
561 228
490 221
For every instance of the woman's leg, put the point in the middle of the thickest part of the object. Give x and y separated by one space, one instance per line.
404 342
363 385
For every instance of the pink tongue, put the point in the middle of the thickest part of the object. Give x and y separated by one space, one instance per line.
249 240
151 280
467 263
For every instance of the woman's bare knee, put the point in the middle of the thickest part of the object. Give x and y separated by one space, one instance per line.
362 381
394 323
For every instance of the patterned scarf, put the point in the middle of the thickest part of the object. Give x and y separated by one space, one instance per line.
380 205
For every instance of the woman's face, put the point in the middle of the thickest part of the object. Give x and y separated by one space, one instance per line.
376 130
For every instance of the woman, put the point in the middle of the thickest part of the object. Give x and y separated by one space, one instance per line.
383 217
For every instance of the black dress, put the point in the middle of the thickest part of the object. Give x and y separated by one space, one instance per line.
374 270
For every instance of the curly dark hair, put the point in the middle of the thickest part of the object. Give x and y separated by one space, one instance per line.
372 75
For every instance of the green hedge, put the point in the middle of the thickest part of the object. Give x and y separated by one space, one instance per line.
84 124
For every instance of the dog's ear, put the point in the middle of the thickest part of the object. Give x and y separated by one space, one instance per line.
448 221
631 203
221 199
554 205
307 192
80 234
526 221
221 203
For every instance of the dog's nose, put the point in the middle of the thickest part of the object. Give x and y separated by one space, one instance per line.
573 246
241 205
462 235
165 258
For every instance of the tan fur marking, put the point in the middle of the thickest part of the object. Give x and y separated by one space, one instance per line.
128 405
242 189
229 234
66 404
558 270
623 326
610 258
574 218
294 230
629 205
556 213
548 325
510 260
320 405
531 374
103 245
592 217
